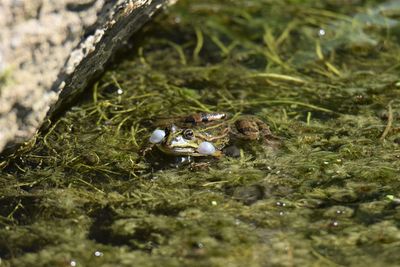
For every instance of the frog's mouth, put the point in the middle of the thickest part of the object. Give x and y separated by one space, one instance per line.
179 151
179 146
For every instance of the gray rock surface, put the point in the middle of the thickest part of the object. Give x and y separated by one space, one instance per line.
49 51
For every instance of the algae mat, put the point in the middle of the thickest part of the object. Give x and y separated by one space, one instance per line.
325 77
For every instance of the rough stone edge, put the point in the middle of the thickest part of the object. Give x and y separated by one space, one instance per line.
89 59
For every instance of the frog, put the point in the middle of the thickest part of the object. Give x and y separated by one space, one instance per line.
207 134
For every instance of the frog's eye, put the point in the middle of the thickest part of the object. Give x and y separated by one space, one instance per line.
206 148
188 134
157 136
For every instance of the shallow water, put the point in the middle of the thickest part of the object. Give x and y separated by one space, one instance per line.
323 76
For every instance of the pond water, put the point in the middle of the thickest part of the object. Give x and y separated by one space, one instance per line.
323 76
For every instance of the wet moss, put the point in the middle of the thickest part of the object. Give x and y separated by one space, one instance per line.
324 76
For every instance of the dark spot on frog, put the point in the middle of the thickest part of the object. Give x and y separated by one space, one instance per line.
204 117
246 127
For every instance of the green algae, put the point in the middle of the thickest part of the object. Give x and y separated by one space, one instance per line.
83 194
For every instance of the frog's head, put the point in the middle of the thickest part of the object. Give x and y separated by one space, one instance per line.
182 141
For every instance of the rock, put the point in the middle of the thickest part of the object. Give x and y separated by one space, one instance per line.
50 51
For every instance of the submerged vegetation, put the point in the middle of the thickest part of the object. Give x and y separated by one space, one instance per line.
325 77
